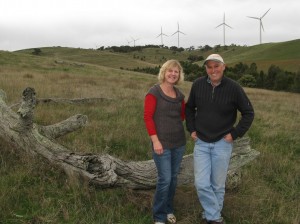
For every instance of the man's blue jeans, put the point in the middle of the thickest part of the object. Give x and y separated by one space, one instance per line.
211 161
167 165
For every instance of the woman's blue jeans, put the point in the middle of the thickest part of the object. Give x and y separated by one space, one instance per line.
167 165
211 161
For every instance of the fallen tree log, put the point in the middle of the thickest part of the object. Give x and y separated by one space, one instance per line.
101 170
66 101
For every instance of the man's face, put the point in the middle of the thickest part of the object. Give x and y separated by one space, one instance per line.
215 71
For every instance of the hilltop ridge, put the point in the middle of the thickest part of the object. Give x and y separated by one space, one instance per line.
286 55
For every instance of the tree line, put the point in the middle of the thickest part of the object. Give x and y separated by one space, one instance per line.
274 79
248 76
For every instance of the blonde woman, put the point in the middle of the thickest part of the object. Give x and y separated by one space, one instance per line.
163 115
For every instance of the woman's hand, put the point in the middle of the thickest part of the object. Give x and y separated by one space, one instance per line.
157 147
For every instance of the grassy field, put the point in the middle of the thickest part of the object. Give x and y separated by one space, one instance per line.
33 191
284 54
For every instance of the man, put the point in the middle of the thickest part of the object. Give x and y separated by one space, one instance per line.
211 113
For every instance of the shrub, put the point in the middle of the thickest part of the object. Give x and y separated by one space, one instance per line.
247 81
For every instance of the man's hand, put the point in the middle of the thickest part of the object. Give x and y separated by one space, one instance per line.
194 135
228 138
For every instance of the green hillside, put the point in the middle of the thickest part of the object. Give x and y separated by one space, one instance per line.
78 55
33 191
286 55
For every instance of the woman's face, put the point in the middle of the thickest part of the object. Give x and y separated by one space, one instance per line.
172 75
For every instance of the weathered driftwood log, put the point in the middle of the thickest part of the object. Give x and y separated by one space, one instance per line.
66 101
101 170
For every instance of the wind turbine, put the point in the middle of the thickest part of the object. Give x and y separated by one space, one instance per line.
224 24
178 31
161 36
134 40
128 42
260 23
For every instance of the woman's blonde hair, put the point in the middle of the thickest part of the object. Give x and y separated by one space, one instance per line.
167 65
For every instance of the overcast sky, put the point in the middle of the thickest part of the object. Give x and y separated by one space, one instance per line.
95 23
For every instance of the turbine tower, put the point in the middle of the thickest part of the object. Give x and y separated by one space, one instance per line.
161 36
260 23
224 24
178 31
134 40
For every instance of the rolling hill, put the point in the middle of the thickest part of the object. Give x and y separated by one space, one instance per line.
286 55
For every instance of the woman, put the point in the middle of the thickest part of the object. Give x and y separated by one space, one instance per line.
163 115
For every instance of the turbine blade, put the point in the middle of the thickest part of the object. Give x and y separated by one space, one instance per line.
228 25
162 34
253 17
220 25
265 13
261 24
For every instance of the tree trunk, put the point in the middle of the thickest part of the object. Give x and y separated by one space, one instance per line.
101 170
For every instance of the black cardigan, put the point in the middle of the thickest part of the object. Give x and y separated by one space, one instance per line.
212 111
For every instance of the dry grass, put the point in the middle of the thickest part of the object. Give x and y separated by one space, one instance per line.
32 191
